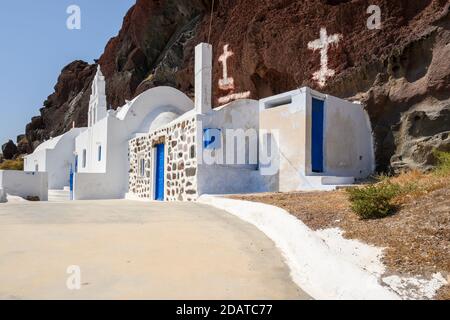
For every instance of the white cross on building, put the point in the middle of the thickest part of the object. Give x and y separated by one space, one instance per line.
323 43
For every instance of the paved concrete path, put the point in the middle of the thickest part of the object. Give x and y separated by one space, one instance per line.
137 250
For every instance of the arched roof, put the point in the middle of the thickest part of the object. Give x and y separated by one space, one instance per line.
53 143
142 105
49 144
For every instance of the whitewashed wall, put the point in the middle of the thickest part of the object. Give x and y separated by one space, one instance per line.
36 159
90 140
230 177
24 184
349 149
285 116
95 186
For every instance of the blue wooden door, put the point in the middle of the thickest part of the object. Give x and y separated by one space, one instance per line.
159 174
318 113
71 183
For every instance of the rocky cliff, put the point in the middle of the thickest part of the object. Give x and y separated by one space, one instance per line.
66 107
400 72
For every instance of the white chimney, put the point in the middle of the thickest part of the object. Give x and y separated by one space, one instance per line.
203 78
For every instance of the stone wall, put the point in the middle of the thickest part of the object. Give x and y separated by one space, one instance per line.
180 161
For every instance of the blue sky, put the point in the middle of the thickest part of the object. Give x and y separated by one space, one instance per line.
36 45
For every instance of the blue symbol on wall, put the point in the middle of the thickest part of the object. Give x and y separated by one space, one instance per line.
212 138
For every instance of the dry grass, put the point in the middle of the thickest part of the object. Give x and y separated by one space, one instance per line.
417 184
16 164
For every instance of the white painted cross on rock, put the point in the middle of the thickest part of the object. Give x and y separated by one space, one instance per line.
323 43
227 83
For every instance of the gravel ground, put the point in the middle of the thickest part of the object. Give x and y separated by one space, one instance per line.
417 238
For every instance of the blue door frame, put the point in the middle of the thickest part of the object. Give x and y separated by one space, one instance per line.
159 172
318 117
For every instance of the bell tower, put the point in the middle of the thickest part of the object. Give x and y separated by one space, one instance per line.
97 102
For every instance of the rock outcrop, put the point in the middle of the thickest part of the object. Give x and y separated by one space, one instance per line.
150 47
399 72
9 150
67 106
23 146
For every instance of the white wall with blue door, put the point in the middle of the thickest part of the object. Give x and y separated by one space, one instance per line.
321 140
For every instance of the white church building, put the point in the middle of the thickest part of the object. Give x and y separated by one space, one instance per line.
55 156
101 151
162 146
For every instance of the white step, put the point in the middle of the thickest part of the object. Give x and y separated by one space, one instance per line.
326 183
338 180
59 192
58 195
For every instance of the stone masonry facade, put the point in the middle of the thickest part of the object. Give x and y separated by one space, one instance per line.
180 161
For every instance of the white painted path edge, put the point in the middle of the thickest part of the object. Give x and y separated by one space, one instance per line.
314 267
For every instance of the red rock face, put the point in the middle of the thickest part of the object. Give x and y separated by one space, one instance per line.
148 31
394 71
69 103
400 72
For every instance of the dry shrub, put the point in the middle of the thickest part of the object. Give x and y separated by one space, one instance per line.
16 164
374 201
383 198
443 163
